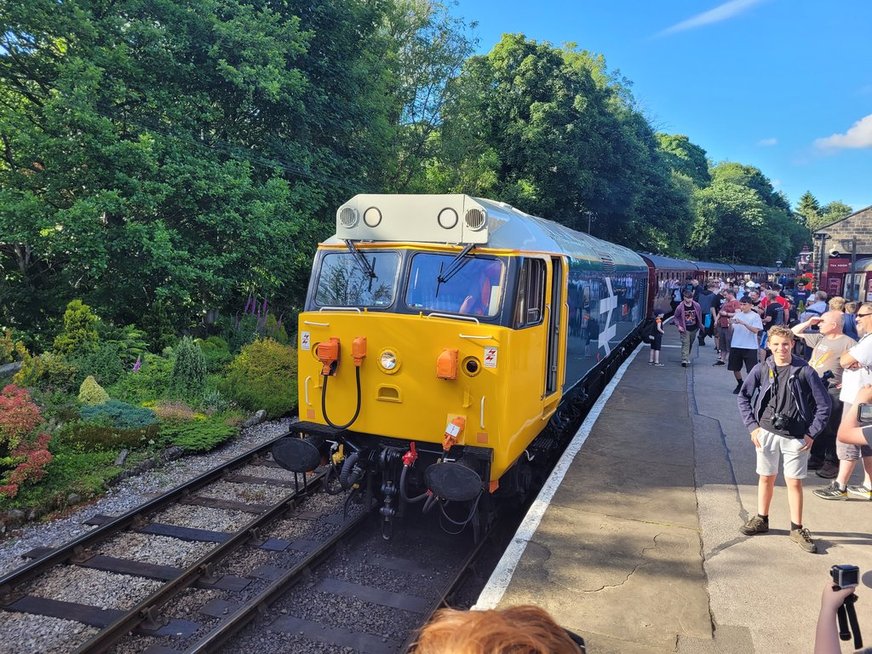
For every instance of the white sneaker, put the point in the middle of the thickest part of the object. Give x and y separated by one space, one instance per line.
860 491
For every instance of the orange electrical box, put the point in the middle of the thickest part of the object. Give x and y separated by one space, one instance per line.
328 355
446 364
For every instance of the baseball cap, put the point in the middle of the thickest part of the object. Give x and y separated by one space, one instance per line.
750 284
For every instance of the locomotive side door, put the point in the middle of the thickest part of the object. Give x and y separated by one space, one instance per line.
555 320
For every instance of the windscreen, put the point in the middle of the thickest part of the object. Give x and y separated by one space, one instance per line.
475 289
367 280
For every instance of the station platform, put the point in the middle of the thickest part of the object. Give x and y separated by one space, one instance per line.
634 542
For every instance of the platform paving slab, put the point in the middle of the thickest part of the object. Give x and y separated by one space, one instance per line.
640 551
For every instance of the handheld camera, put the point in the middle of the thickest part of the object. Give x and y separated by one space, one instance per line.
864 413
845 575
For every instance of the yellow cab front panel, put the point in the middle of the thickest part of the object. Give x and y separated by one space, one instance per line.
497 392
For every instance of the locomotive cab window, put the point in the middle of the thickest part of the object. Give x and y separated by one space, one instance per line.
471 286
530 301
364 279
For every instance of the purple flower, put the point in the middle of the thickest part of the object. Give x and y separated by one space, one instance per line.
138 364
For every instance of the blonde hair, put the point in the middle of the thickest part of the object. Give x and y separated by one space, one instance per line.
836 303
780 330
522 629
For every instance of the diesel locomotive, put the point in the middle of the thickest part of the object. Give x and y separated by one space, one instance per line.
440 335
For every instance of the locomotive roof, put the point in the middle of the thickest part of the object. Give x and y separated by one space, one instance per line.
463 220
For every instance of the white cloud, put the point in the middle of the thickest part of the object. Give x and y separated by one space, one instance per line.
858 136
720 13
766 143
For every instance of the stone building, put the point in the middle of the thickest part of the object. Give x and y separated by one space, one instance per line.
842 246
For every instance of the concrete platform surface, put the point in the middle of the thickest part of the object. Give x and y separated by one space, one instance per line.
637 547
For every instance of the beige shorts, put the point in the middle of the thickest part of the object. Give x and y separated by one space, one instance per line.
773 447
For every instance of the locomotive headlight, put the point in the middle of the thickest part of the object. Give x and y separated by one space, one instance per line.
388 361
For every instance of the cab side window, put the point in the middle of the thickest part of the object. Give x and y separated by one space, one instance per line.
530 301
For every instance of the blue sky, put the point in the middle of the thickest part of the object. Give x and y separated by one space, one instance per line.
784 85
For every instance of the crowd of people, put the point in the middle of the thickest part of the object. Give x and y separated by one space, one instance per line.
799 359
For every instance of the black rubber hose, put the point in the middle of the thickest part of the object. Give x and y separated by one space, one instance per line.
348 469
324 402
403 496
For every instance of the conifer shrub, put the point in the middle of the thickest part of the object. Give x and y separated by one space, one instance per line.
91 393
11 350
81 436
116 413
50 372
216 352
79 334
198 435
263 376
147 384
103 363
189 369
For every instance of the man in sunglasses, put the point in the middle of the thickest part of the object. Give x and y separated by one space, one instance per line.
857 363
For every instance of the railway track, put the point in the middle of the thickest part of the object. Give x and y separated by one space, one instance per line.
244 553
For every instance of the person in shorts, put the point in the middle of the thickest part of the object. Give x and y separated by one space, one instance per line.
746 324
656 340
784 404
857 374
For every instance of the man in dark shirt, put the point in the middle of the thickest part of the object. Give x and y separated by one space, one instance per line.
785 405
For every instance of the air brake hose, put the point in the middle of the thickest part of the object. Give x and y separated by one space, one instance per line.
403 496
324 402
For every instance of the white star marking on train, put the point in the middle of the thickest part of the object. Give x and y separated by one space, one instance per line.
606 306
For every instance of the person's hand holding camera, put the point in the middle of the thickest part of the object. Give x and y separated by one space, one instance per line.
837 606
833 597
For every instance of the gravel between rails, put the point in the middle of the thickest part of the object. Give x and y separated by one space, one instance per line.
129 494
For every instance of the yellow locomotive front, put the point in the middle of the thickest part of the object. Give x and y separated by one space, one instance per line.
424 359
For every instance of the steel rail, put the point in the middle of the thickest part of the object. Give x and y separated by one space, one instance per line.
450 588
148 607
122 522
234 623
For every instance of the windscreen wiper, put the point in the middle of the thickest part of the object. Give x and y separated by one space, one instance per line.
455 265
365 266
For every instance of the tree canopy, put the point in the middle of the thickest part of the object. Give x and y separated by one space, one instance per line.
162 160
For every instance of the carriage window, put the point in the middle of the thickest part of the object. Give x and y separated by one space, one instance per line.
475 289
530 303
344 281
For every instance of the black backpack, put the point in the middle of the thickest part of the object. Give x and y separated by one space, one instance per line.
778 314
648 331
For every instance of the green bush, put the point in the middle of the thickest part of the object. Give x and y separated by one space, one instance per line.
189 369
79 334
263 376
51 372
273 329
90 392
81 473
116 413
57 405
238 333
102 362
199 435
217 353
83 436
10 349
128 341
150 383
